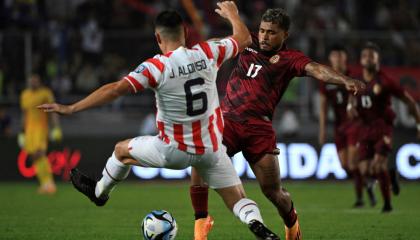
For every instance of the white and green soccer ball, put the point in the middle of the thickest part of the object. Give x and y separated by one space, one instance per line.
159 225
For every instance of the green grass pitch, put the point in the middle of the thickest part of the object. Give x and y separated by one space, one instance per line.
324 209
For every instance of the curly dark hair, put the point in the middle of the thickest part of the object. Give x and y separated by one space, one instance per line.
337 47
371 46
277 16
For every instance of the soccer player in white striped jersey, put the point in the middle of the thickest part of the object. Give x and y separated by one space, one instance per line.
189 118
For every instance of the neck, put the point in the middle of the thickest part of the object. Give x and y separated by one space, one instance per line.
368 75
171 46
279 48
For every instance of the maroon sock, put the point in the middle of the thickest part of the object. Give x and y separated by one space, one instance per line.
291 218
358 184
384 184
199 199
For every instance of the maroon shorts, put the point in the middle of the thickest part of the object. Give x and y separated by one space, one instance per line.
346 134
375 138
254 137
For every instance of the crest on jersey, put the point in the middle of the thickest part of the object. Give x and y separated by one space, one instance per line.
377 89
140 68
274 59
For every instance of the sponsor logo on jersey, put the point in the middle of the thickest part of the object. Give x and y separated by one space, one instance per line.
140 68
274 59
251 50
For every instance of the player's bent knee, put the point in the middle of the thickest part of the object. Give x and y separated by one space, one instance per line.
121 150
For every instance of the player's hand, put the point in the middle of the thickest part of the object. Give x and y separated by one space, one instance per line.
352 112
56 135
21 139
354 85
57 108
227 9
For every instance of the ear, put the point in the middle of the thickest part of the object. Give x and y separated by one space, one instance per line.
286 35
158 38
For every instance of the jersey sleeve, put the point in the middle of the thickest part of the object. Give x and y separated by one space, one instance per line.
219 50
298 62
393 86
147 75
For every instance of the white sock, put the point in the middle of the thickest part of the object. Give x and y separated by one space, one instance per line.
247 210
114 172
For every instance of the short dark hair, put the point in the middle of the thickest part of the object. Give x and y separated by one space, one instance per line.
170 22
277 16
371 46
337 47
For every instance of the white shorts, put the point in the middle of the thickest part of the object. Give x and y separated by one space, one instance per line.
215 168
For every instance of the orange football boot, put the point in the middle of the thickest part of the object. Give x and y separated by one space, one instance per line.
202 227
294 232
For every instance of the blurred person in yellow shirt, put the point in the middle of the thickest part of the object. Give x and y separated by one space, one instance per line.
34 138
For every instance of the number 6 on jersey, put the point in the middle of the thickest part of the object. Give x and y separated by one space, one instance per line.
193 97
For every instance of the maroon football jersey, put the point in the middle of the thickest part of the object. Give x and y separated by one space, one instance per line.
259 80
375 101
337 97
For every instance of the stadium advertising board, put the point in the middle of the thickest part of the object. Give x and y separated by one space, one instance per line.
298 161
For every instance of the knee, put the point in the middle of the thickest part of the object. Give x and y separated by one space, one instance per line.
376 170
38 154
363 168
120 150
351 167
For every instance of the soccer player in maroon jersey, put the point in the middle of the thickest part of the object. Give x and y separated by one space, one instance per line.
257 83
375 112
345 130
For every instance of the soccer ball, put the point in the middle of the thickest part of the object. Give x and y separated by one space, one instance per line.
159 224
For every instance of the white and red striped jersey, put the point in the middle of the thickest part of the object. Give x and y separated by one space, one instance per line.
184 82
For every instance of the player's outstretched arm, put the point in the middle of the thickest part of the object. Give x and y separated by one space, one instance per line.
228 10
413 109
328 75
101 96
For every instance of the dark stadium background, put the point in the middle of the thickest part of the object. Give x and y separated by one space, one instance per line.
77 46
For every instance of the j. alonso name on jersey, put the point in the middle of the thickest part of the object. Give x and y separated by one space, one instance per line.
190 68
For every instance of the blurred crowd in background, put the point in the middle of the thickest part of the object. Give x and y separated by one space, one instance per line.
78 45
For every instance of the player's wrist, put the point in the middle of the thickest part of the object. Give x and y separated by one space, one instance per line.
233 18
72 109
